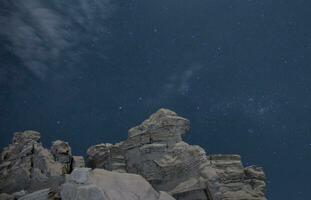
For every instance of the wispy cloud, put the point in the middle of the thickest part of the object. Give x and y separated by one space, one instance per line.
45 35
180 82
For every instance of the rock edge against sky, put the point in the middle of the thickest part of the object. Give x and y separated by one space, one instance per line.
152 163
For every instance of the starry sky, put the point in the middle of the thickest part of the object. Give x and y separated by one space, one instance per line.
87 71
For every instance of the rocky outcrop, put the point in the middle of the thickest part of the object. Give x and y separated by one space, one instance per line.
99 184
155 149
152 163
27 165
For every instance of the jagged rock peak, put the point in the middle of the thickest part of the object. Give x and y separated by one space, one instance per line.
163 120
26 136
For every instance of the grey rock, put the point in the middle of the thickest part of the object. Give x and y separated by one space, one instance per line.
155 150
26 137
106 156
165 196
254 172
79 176
62 153
44 194
27 165
98 156
152 163
231 179
19 194
99 184
164 121
77 162
4 196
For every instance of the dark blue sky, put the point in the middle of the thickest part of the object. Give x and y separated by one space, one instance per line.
87 71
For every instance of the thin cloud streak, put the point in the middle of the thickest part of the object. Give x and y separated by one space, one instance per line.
43 35
180 83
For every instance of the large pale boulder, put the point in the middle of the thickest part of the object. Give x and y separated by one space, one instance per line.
99 184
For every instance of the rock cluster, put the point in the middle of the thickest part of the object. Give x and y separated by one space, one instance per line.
26 165
155 150
152 163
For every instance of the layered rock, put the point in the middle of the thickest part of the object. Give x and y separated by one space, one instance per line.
99 184
106 156
27 165
155 150
166 168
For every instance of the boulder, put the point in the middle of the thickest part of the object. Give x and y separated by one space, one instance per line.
99 184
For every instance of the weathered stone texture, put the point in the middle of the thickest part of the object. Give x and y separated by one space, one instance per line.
155 150
27 165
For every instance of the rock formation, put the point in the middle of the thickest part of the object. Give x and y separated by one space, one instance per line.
155 150
166 168
27 165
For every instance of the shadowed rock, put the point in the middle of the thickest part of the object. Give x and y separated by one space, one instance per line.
62 153
27 165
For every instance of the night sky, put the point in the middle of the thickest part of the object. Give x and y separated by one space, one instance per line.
239 70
